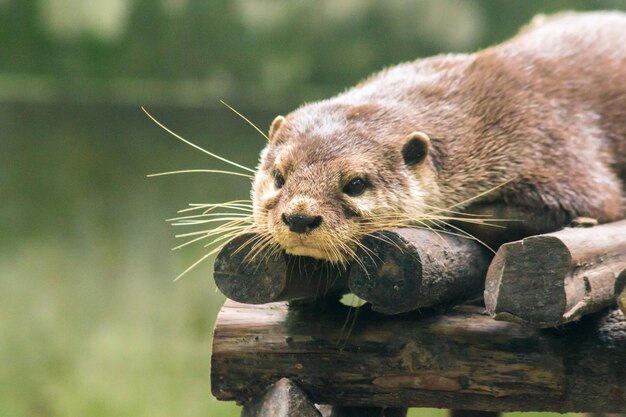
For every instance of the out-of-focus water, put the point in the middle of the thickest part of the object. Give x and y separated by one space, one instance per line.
91 320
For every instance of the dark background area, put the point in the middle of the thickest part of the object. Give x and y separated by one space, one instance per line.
91 322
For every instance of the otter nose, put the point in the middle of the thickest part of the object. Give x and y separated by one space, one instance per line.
299 223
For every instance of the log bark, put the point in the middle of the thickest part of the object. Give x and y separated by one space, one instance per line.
406 269
461 360
401 270
555 278
273 276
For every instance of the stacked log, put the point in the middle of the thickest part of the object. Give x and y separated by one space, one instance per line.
551 279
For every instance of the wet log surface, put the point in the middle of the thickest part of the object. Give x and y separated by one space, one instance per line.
401 270
462 359
551 279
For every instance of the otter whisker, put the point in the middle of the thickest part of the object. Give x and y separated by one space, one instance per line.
247 210
189 242
437 232
192 266
183 223
482 194
200 216
468 235
436 209
246 120
206 236
480 222
275 249
365 249
337 248
255 240
189 171
263 250
258 236
258 249
217 249
342 342
198 206
384 239
230 228
352 254
239 201
177 136
349 253
216 230
226 236
195 222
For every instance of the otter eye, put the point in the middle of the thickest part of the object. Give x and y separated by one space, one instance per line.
279 180
355 187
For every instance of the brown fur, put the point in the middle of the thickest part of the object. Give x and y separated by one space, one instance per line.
540 120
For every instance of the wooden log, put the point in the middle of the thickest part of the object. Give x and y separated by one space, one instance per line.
282 399
286 399
273 276
405 269
461 360
551 279
401 270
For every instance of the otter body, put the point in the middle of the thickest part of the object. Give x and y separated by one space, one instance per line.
532 130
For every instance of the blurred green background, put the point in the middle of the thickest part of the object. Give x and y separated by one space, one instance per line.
91 322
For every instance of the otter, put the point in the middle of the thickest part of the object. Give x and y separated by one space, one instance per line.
532 130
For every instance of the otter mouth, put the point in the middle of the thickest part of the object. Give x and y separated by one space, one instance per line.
332 256
310 246
300 250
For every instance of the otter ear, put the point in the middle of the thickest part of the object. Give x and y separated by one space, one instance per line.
415 148
276 124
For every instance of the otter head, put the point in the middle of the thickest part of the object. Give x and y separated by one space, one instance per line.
333 173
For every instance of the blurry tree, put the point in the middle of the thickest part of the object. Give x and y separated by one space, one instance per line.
261 49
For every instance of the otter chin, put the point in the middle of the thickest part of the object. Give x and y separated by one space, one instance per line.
306 251
429 142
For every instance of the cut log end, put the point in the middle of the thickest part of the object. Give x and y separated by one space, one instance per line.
246 278
249 276
548 280
525 281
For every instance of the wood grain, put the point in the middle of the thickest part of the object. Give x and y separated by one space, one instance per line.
461 360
